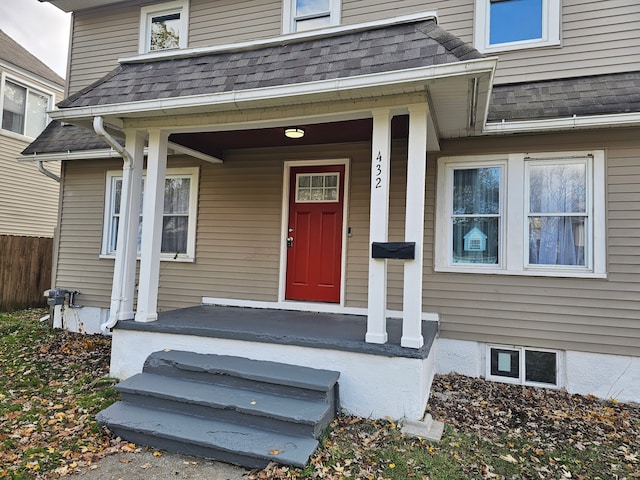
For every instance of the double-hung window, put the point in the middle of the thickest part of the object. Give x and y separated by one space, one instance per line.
164 26
522 214
24 109
178 218
513 24
302 15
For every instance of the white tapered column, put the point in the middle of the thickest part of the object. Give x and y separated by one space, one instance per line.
134 144
414 227
152 226
379 226
131 174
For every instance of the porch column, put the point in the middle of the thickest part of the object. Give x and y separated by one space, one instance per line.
414 227
152 226
379 225
134 144
122 289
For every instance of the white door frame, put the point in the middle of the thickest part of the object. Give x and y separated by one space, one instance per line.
284 231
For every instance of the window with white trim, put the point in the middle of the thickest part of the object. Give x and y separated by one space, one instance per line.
24 109
522 365
164 26
179 214
522 214
302 15
515 24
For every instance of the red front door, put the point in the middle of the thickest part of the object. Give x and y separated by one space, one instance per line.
314 243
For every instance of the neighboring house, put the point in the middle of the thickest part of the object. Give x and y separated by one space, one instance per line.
29 200
285 170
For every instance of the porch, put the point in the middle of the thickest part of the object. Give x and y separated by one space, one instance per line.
376 380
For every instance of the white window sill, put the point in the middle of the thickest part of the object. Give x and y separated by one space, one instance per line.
514 46
163 258
526 273
17 136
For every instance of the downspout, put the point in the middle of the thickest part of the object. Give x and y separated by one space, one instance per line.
116 296
46 172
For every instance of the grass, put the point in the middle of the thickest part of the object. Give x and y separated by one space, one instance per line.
52 383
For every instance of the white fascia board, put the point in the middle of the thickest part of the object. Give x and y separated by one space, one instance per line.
72 5
414 79
104 153
570 123
279 40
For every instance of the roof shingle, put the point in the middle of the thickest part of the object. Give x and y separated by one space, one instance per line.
383 49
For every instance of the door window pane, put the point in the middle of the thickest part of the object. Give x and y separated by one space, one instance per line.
317 187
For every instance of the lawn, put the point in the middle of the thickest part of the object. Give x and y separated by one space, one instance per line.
52 383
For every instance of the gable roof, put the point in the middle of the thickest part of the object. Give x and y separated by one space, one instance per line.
379 50
595 95
12 52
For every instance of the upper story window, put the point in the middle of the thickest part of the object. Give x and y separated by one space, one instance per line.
302 15
164 26
24 109
515 24
522 215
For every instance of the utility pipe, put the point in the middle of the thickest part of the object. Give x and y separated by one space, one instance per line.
117 295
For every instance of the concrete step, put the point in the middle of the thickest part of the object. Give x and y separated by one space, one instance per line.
269 377
227 442
295 416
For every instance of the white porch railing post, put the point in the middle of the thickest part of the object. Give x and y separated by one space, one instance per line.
129 220
414 227
153 207
379 226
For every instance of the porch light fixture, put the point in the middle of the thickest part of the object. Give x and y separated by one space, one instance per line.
294 132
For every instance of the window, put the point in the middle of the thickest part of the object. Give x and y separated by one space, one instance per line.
302 15
164 26
179 215
317 187
520 214
24 110
514 24
523 365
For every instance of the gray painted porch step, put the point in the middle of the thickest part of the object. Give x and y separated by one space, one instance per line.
294 416
232 443
271 377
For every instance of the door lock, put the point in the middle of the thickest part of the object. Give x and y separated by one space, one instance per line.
289 242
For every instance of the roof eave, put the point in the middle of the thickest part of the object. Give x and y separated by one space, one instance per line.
559 124
372 86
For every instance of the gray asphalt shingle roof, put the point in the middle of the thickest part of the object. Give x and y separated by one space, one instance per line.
595 95
12 52
383 49
59 138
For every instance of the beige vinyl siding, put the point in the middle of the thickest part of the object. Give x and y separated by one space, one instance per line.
597 37
29 200
239 235
595 315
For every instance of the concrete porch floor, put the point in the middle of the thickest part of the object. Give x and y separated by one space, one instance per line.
285 327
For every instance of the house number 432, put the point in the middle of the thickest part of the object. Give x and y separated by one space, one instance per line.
378 171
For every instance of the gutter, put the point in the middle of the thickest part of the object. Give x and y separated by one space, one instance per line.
567 123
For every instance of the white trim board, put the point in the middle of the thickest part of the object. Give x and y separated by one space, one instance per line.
307 307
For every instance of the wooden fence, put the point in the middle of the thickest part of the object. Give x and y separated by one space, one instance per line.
25 271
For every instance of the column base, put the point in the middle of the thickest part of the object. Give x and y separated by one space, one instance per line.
376 338
412 342
145 318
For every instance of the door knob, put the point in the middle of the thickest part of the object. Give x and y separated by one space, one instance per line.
289 242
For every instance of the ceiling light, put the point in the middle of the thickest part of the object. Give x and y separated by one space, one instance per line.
294 132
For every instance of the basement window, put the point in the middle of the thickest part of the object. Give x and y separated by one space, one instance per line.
523 365
164 26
